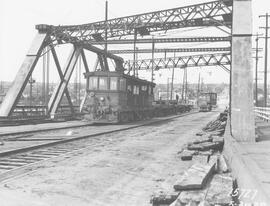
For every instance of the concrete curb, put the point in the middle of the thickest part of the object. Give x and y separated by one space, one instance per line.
247 173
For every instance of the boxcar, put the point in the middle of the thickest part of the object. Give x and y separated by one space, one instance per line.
116 97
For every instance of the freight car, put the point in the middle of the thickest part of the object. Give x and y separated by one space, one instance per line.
207 101
114 97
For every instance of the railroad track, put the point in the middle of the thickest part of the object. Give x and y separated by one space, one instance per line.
23 160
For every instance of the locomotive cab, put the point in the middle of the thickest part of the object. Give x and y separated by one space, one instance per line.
116 97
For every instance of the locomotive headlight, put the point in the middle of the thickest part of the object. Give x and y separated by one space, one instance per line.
102 99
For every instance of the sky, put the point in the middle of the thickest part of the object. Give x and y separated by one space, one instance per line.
18 19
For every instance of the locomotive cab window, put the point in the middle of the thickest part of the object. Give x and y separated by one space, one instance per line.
144 88
93 83
129 88
113 83
136 89
122 84
103 83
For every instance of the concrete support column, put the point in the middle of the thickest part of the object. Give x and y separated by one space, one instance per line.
242 114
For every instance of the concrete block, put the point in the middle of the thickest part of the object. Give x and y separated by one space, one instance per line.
195 177
219 190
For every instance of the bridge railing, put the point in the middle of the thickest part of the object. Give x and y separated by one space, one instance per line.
263 113
40 111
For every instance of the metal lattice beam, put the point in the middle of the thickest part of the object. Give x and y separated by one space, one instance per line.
180 62
208 49
164 40
215 13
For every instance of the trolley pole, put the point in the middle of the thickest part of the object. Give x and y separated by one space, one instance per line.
105 59
266 16
106 31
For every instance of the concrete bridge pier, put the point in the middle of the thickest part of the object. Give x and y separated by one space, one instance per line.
242 115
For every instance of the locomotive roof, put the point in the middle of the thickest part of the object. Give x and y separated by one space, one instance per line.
118 74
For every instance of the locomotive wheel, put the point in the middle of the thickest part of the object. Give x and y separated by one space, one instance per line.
131 116
124 117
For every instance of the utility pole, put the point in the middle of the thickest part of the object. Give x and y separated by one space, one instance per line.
198 89
172 79
186 91
134 52
153 49
137 72
168 83
266 16
183 85
257 49
31 82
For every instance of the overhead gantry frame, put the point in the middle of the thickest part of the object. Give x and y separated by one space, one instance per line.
164 40
216 13
172 50
217 59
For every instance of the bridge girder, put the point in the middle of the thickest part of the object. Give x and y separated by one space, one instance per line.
215 13
165 40
163 50
215 59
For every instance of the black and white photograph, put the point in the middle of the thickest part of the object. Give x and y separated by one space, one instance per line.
134 103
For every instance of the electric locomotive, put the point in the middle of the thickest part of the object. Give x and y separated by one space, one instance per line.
114 97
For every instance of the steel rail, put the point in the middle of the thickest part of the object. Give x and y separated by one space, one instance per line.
21 159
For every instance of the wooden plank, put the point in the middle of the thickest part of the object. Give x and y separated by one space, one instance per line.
203 159
202 139
195 177
187 155
206 146
163 198
217 192
216 138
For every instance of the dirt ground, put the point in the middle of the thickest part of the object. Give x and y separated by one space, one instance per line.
122 169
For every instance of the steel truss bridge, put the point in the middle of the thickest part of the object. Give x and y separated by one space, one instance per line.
87 36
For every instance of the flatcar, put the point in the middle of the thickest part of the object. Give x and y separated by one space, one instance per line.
114 97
